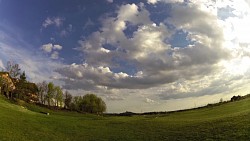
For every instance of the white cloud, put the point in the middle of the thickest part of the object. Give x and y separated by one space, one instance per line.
165 1
110 1
51 49
55 55
248 2
37 66
152 1
32 64
148 100
47 47
158 62
127 11
57 47
149 40
104 50
214 61
131 13
57 21
95 76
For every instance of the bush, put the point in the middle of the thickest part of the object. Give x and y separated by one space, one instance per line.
20 102
236 98
89 103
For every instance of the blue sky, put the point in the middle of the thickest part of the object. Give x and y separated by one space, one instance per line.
150 55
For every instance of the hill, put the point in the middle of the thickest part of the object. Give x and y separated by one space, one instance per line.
230 121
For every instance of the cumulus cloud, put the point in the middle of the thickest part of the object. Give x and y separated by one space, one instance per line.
152 1
51 49
148 100
55 55
57 47
88 75
49 21
157 61
165 1
47 47
206 65
134 14
110 1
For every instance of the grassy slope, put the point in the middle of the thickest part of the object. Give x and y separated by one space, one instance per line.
226 122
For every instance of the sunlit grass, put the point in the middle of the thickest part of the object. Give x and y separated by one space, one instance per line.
229 121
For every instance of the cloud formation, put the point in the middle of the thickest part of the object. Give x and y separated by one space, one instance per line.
110 1
52 50
165 1
155 61
49 21
132 57
32 64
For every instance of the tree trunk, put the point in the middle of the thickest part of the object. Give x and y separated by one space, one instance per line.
49 102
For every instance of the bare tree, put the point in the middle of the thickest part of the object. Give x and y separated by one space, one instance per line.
42 91
13 69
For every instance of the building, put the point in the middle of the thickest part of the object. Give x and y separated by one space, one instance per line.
7 85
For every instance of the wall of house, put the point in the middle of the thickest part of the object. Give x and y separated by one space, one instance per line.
8 85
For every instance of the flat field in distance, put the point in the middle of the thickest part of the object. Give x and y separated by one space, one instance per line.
230 121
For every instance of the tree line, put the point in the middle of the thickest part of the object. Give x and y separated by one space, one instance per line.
46 93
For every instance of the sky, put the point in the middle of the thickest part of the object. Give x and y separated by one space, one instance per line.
139 56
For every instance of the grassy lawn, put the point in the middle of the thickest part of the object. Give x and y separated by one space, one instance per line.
229 121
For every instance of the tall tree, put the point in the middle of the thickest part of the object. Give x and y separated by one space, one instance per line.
23 77
13 69
76 104
42 91
67 100
21 87
51 92
58 96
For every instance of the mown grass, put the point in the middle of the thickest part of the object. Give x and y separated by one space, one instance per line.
229 121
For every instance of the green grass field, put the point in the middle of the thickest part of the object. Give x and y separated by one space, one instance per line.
229 121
